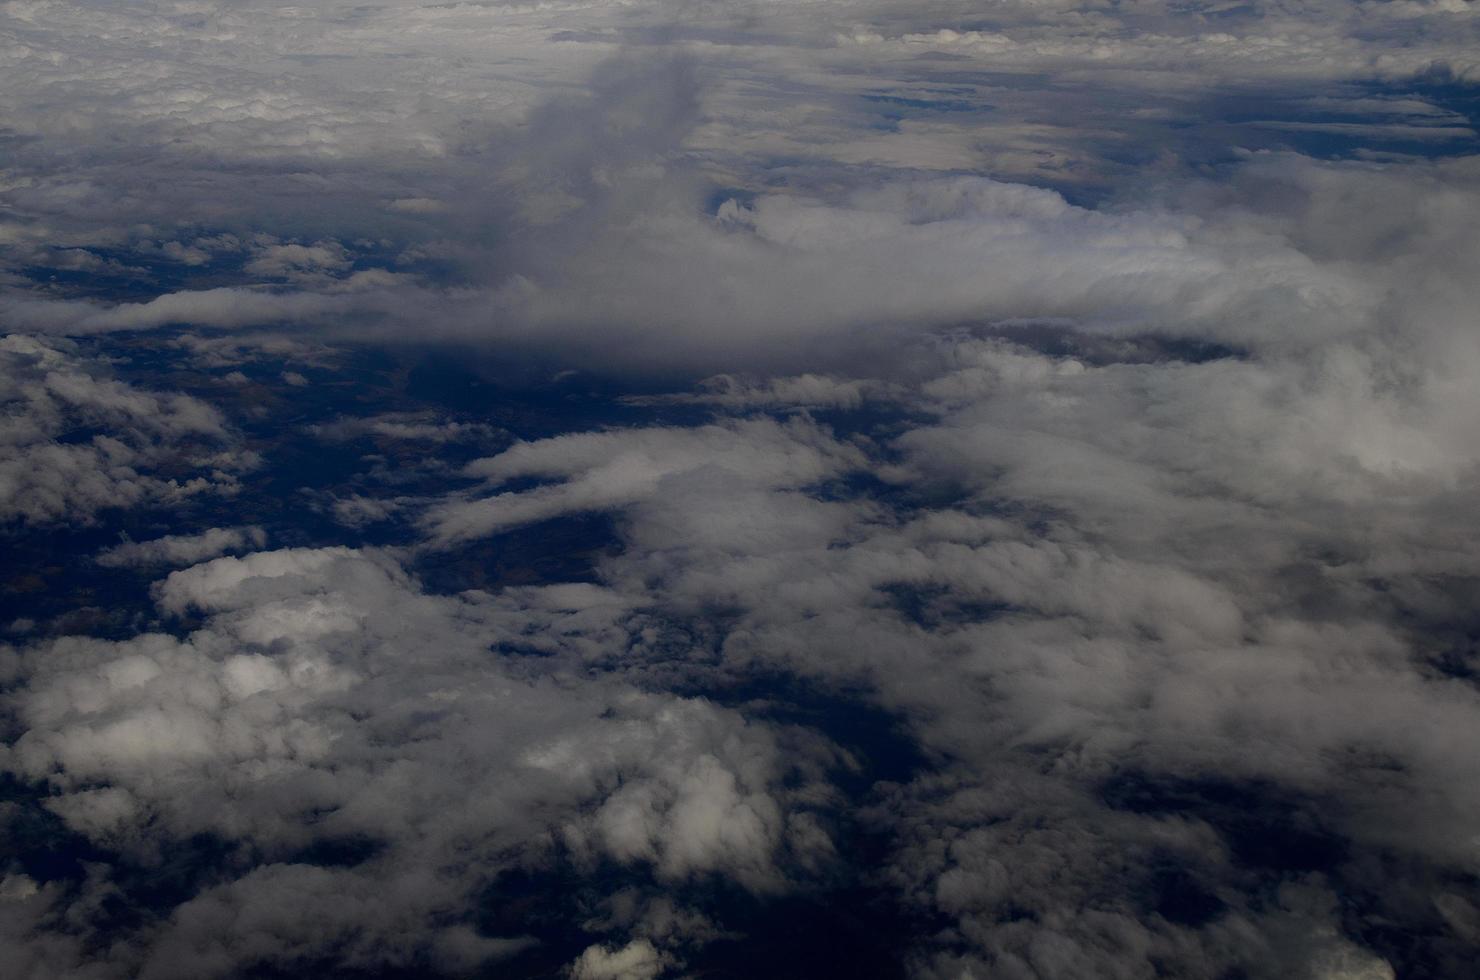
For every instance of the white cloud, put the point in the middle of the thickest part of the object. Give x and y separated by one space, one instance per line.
638 960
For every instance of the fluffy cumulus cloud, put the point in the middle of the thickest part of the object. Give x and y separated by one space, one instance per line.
861 487
637 960
327 702
78 442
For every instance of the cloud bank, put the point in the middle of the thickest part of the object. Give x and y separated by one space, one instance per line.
976 492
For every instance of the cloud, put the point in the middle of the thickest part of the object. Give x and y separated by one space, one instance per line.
359 511
326 681
1112 602
79 442
408 426
294 261
785 278
229 307
800 391
602 471
182 549
638 960
607 175
1087 450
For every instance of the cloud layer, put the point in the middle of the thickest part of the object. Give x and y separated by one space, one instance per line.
987 489
327 701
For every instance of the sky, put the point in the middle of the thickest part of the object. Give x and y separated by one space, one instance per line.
631 489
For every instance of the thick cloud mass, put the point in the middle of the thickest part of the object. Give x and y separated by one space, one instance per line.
1103 623
869 488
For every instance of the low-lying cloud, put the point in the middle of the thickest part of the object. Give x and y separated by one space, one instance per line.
982 490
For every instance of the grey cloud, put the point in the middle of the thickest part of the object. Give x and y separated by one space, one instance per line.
594 170
603 471
1125 590
1068 415
78 442
359 510
183 549
787 277
800 391
415 427
324 679
224 307
285 912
